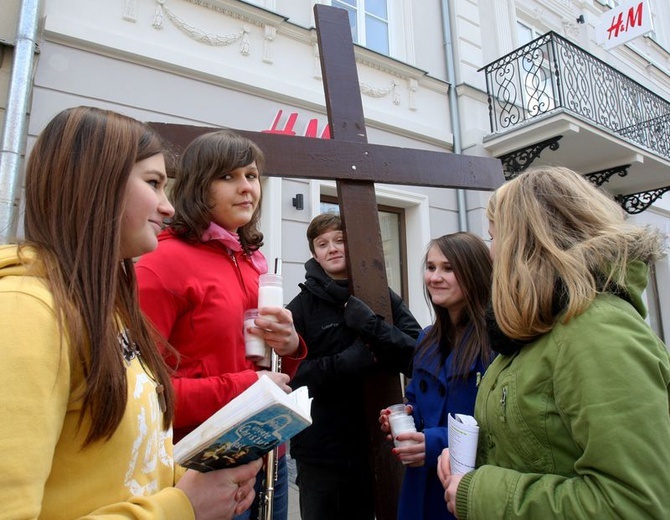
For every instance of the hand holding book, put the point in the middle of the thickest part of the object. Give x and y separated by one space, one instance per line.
255 422
463 437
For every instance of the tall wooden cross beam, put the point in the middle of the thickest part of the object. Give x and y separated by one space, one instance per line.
356 165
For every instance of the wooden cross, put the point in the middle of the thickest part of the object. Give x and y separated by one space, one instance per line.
356 166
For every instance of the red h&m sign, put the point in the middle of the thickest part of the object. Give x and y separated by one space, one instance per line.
311 129
623 23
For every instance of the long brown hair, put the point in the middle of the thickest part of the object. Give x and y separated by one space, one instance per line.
76 180
471 263
204 160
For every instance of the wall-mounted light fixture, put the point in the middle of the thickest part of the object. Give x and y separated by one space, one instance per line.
298 201
580 18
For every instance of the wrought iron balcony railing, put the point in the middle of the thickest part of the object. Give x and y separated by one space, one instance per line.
551 73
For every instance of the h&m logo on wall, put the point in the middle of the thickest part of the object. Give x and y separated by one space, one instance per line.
623 23
311 130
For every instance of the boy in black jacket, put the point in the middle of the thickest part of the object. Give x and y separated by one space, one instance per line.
344 339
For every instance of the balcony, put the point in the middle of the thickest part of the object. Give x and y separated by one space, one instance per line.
551 102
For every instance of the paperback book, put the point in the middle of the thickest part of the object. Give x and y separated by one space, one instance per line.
255 422
463 438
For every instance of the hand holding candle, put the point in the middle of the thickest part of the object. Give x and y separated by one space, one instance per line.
275 323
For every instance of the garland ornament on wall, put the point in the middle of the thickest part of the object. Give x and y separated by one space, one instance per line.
381 92
270 33
199 35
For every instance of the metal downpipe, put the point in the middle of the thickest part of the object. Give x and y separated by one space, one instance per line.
454 113
14 130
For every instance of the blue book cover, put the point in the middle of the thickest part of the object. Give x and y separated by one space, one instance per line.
259 420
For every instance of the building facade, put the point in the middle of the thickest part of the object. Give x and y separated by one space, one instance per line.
522 80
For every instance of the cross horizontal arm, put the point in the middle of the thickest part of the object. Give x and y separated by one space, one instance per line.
326 159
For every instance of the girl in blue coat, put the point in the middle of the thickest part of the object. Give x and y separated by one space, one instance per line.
450 357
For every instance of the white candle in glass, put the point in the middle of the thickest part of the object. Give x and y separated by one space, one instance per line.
270 292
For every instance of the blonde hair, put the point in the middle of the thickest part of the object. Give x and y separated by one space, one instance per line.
555 232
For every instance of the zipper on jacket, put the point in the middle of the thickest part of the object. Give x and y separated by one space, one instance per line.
503 404
239 273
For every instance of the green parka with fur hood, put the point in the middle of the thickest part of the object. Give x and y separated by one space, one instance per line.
576 424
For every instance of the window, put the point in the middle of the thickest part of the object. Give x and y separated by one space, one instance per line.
525 34
369 20
535 71
392 226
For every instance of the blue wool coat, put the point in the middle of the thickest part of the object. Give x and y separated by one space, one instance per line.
433 397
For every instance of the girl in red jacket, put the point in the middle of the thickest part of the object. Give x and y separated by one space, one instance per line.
202 277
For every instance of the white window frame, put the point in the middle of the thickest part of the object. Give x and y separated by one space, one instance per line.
361 36
401 34
545 65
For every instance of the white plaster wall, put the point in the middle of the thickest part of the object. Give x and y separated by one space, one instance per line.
92 55
429 39
282 65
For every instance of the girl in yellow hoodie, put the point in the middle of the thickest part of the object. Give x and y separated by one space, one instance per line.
85 428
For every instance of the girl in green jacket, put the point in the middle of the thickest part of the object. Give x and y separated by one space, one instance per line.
573 413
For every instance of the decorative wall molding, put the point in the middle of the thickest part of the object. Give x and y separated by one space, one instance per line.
404 76
199 35
242 11
248 14
384 64
367 90
412 87
268 38
570 28
130 10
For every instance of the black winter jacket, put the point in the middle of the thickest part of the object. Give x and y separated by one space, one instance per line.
344 344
